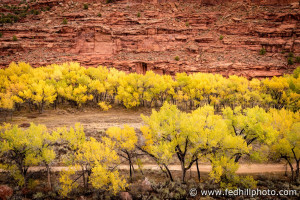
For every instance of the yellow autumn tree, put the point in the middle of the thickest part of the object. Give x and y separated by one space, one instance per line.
95 160
253 125
73 85
275 92
126 140
189 137
25 148
287 144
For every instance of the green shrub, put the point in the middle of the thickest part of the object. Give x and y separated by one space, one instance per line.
262 51
297 59
65 21
296 72
16 18
85 6
7 20
14 38
290 61
38 195
221 37
99 15
177 58
291 55
109 1
1 34
23 15
187 24
35 12
139 14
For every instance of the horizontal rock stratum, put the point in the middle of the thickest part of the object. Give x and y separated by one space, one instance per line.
216 36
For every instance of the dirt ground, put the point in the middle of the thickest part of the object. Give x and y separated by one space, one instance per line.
93 120
243 169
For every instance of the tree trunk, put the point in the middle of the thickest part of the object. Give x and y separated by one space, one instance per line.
131 170
297 169
292 169
198 171
83 177
183 172
169 173
285 173
49 177
237 158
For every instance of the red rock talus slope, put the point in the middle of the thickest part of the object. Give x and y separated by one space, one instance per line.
206 36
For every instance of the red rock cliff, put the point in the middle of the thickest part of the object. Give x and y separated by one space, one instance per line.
219 36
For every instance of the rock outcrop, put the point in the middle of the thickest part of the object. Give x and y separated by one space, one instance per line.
218 36
5 192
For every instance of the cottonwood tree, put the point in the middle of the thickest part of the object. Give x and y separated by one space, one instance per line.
73 85
287 144
21 149
252 124
74 138
189 137
213 141
275 92
45 147
40 93
97 161
125 142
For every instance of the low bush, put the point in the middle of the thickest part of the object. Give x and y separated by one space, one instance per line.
262 51
291 55
65 21
14 38
290 61
85 6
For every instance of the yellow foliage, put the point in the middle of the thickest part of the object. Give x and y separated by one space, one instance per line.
20 83
104 106
67 183
25 148
92 156
101 178
126 138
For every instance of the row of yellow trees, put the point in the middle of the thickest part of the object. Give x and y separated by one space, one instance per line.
95 161
167 135
20 84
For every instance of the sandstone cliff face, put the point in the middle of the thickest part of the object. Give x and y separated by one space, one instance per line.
218 36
